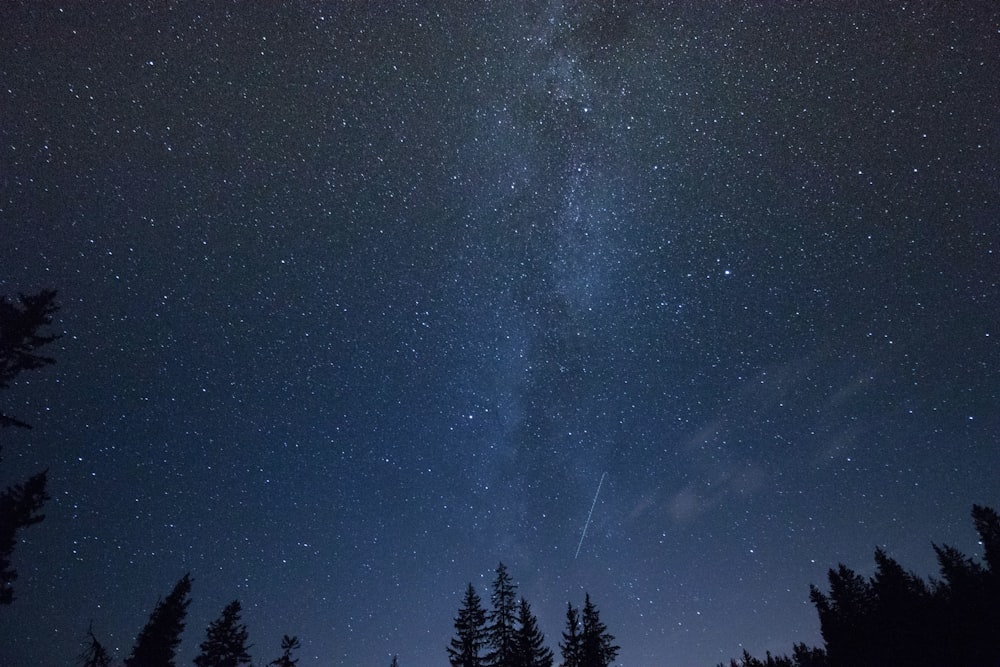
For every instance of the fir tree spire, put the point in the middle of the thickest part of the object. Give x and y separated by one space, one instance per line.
225 642
157 643
469 640
529 642
500 631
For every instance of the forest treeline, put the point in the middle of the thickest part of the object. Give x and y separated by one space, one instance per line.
894 618
508 635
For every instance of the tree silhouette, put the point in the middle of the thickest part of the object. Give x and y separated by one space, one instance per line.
897 618
572 643
157 643
94 654
597 644
902 615
748 660
529 642
500 631
987 524
225 642
20 507
470 629
845 616
20 338
288 644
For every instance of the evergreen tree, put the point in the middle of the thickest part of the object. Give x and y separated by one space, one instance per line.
987 524
808 656
529 642
597 644
20 504
500 631
845 616
748 660
94 655
572 643
470 628
20 507
901 614
20 339
288 644
225 642
803 656
157 643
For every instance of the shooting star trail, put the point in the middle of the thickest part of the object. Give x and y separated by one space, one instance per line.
589 514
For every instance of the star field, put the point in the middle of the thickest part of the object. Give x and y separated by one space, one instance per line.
359 300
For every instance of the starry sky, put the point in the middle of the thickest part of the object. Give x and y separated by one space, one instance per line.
361 298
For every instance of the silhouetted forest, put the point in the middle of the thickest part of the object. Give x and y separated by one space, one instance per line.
508 634
895 618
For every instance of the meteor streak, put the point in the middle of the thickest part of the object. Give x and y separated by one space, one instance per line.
589 514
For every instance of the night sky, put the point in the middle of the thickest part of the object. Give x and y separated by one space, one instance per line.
361 298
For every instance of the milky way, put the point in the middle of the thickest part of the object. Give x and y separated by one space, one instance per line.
360 300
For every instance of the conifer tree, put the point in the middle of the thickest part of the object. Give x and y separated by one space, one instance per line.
987 523
500 631
20 338
529 642
94 655
597 644
288 644
225 642
845 616
20 507
572 643
157 643
470 627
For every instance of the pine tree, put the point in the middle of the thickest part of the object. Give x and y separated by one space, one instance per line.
20 504
288 644
157 643
20 507
500 631
94 655
597 647
225 642
987 523
529 642
572 643
845 616
20 339
470 625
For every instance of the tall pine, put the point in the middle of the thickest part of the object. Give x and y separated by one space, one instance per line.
529 642
500 630
225 642
467 645
597 644
156 645
94 655
288 644
20 339
572 643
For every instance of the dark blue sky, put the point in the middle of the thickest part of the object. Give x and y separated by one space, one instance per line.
360 300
